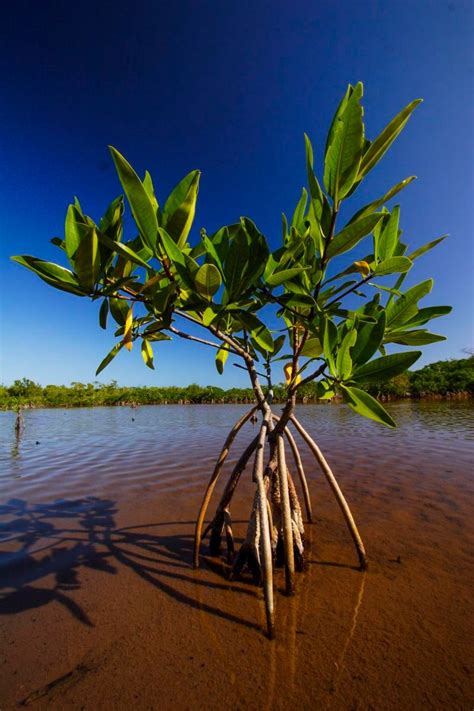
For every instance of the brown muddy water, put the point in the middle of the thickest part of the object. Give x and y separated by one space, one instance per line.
100 607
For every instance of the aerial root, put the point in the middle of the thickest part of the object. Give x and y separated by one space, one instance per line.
218 524
256 551
300 469
229 537
275 532
213 481
326 469
287 527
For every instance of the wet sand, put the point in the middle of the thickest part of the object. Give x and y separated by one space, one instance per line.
101 608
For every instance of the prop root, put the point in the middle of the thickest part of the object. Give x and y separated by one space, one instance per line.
326 469
257 550
300 470
222 515
286 517
213 481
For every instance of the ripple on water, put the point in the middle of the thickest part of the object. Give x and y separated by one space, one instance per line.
97 450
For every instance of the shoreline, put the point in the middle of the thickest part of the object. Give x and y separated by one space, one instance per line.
454 396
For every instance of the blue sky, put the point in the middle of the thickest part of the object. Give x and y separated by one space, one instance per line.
228 88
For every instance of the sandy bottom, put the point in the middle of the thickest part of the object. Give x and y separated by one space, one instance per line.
103 610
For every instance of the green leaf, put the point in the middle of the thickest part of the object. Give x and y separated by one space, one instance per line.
352 234
393 265
52 274
221 357
369 338
393 291
172 250
212 252
153 332
58 242
386 367
236 262
298 215
119 310
74 229
113 214
208 280
258 252
426 247
284 226
365 405
278 345
427 314
297 301
180 208
345 149
388 239
336 118
329 343
150 190
383 142
414 338
122 249
184 265
280 277
87 259
372 206
109 357
103 313
209 315
314 187
344 360
142 207
324 390
404 308
147 354
257 330
312 348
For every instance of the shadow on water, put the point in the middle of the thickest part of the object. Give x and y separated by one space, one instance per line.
50 544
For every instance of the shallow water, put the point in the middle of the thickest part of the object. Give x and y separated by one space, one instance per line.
100 607
120 450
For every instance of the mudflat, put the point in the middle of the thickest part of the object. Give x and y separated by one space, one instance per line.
101 608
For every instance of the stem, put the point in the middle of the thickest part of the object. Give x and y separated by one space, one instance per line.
337 492
188 336
311 377
266 545
286 517
213 481
300 469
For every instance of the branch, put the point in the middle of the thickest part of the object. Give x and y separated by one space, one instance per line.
276 300
348 291
312 376
188 336
223 336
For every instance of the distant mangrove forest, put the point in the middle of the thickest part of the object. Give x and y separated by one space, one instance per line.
444 378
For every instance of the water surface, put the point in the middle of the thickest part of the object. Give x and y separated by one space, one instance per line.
119 449
100 607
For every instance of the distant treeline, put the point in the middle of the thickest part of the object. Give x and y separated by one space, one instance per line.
444 378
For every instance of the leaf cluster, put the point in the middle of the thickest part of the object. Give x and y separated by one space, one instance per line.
335 311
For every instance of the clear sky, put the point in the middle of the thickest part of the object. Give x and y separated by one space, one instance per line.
229 88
